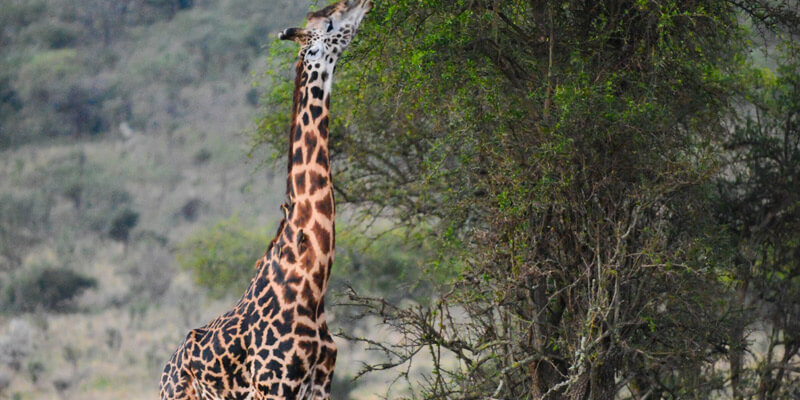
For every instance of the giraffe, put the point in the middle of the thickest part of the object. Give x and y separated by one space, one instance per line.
275 343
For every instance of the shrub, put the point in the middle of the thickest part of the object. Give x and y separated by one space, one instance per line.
221 258
58 97
170 6
191 209
201 157
48 288
35 370
48 75
122 225
17 14
82 109
253 96
54 34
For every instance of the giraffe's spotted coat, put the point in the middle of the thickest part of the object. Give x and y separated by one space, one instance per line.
275 343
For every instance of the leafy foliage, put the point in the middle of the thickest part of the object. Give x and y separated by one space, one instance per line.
562 157
221 257
383 265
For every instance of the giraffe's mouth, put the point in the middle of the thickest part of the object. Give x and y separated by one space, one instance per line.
364 5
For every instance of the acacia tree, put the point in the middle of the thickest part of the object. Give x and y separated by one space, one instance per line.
561 156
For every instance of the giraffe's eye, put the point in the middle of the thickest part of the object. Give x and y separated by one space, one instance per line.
330 26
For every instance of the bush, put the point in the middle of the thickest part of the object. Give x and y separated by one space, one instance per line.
47 75
221 258
48 288
170 6
191 209
122 225
53 34
201 157
82 109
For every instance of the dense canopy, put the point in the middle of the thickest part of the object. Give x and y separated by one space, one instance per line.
611 188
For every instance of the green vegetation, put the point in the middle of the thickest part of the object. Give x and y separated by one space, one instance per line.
95 194
47 288
221 257
386 265
612 185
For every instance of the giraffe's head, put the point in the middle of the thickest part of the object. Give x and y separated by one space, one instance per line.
328 31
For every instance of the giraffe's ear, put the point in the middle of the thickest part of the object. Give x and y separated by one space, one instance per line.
299 35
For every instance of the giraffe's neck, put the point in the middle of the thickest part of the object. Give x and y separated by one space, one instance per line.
308 148
310 219
297 265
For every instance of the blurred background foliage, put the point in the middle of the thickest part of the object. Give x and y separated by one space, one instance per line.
221 257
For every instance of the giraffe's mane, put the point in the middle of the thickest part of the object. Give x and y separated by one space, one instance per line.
323 13
295 106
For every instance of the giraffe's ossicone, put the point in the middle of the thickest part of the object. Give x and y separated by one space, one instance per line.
274 343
